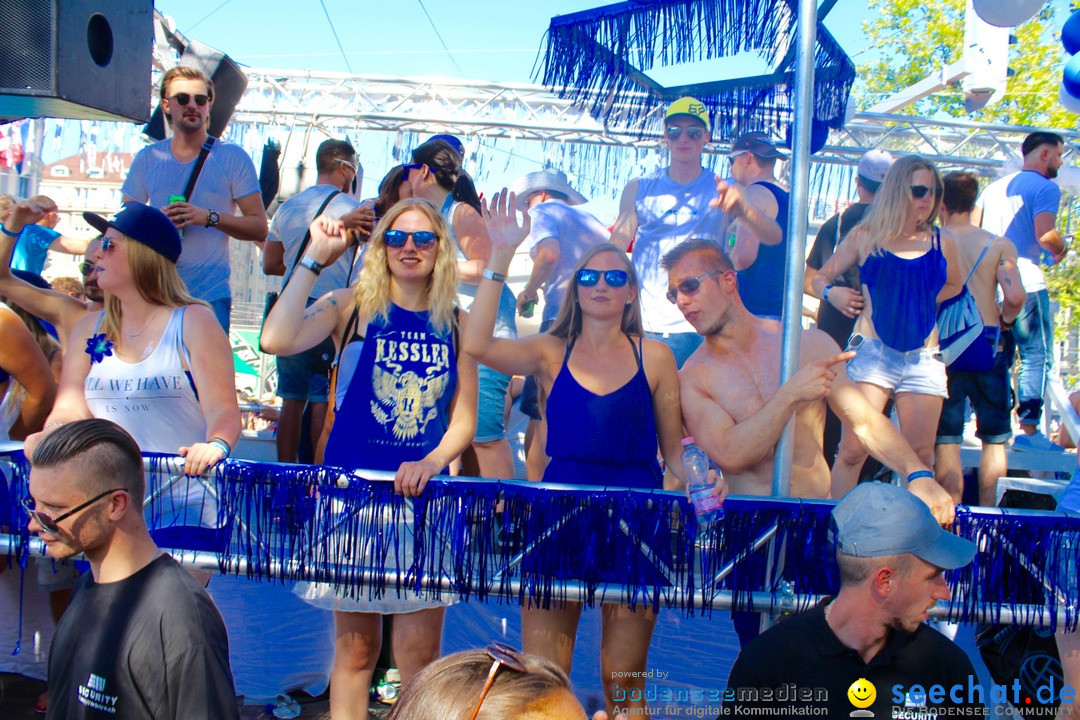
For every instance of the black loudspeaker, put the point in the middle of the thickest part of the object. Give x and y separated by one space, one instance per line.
229 80
76 58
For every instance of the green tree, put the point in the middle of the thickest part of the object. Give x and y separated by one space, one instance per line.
914 39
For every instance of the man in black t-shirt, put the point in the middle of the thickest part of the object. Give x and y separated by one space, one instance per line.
873 166
141 639
867 652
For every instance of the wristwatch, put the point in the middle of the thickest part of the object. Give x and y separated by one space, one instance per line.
212 219
492 275
311 265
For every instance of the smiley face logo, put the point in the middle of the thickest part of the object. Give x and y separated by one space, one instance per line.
862 693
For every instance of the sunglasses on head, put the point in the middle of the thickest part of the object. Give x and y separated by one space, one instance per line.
422 239
689 286
501 655
613 278
185 98
87 268
694 133
920 191
51 525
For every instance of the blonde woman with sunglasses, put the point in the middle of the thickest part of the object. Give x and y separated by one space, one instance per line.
404 400
907 266
612 398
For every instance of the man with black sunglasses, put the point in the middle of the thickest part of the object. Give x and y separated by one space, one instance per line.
141 638
226 181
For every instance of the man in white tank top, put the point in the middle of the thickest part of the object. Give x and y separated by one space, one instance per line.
681 201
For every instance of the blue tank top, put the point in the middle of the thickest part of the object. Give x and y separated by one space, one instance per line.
761 286
602 439
397 405
904 294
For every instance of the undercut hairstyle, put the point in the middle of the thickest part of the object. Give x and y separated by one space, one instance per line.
961 191
716 257
185 72
449 688
567 323
445 163
330 151
855 570
108 455
1037 139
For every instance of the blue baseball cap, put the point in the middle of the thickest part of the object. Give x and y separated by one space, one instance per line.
142 223
452 141
877 519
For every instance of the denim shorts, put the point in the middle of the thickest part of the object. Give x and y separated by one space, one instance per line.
991 397
915 371
297 376
491 405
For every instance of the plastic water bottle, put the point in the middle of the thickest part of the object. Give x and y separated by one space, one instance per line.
696 466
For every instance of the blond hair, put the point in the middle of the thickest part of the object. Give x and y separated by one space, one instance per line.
185 72
568 322
887 217
156 281
371 293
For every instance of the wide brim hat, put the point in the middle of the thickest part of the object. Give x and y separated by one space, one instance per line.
548 179
144 224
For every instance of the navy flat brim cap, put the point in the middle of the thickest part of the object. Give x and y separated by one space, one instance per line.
144 224
877 519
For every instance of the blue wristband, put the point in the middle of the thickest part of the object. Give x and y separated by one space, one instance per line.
920 474
7 232
220 444
825 294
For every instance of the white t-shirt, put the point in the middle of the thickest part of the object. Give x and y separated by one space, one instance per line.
1009 206
291 222
227 175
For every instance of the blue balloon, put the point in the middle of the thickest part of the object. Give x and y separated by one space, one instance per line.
819 135
1070 77
1070 34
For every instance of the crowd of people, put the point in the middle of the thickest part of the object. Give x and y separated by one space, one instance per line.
396 331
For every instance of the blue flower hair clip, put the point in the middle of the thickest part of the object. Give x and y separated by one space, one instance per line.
97 347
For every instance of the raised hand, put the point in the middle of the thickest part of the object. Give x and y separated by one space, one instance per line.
503 228
329 240
814 380
31 211
729 198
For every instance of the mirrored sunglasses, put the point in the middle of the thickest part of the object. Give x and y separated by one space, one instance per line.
694 133
613 278
920 191
51 525
185 98
422 239
688 287
107 244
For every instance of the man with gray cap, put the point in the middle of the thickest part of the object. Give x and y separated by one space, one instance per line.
561 233
868 648
760 258
847 290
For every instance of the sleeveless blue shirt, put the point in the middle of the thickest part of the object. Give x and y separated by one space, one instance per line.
397 404
761 286
602 439
904 294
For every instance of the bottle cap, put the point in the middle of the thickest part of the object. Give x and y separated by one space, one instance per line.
687 441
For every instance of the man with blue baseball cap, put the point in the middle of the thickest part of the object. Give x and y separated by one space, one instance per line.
868 648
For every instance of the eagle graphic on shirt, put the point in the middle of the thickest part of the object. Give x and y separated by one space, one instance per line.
406 399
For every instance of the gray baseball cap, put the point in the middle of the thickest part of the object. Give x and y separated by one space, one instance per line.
874 164
877 519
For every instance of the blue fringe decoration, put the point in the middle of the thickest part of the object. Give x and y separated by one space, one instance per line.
597 58
547 544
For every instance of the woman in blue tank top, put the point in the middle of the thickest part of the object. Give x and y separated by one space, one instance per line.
405 402
612 399
907 266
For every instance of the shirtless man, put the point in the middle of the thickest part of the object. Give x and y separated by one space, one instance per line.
55 307
990 388
733 404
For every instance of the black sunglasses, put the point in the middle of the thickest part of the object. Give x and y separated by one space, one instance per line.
406 168
185 98
613 278
501 655
920 191
675 132
422 239
689 286
51 525
87 268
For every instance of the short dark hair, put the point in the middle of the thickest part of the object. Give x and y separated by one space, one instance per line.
329 151
854 570
961 190
718 258
1039 138
109 454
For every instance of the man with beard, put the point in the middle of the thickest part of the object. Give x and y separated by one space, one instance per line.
868 647
55 307
735 407
1023 207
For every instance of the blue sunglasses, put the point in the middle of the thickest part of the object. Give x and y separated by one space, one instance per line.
422 239
613 278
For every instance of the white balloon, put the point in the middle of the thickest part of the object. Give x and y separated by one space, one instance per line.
1067 101
1007 13
849 110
